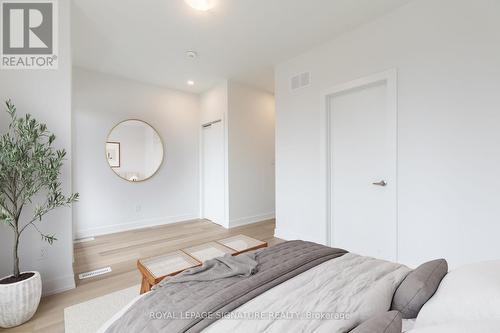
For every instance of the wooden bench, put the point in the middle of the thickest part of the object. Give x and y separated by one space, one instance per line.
155 269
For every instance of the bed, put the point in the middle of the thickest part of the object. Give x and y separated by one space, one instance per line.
295 286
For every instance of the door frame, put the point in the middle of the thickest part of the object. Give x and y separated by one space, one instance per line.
223 120
390 77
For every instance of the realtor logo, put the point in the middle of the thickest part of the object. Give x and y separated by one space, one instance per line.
29 34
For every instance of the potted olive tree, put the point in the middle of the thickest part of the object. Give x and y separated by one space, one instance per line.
29 172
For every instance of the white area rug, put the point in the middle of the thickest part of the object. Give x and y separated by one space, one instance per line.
88 316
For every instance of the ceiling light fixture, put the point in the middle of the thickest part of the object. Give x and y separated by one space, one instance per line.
202 5
190 82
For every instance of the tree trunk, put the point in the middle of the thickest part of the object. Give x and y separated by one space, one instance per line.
16 257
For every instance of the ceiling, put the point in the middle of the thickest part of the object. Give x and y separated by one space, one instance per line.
242 40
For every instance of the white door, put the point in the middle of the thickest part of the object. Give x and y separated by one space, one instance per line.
363 170
213 173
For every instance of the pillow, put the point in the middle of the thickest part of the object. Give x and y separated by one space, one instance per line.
468 293
418 287
389 322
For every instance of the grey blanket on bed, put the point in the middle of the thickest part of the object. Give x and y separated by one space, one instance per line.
190 304
217 268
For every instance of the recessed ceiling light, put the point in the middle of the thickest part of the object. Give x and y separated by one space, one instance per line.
202 5
190 82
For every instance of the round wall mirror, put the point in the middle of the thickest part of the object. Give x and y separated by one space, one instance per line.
134 150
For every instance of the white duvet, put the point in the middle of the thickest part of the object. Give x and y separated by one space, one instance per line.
332 297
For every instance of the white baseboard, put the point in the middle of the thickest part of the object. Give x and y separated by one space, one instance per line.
251 219
83 240
55 286
139 224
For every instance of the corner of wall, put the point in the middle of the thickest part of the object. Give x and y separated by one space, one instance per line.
58 285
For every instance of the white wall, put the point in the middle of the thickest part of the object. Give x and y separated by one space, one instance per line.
214 103
251 154
448 56
109 203
248 118
46 94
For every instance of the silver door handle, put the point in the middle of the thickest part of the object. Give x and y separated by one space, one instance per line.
380 183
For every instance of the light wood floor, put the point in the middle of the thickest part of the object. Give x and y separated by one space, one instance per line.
121 251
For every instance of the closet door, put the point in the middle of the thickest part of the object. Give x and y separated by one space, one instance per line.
213 173
363 206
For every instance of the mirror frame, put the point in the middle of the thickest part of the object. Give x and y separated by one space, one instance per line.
162 146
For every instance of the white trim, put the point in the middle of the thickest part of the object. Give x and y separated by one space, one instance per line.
55 286
83 240
251 219
200 172
390 77
225 118
138 224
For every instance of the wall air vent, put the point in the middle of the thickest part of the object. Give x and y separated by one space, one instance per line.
300 80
